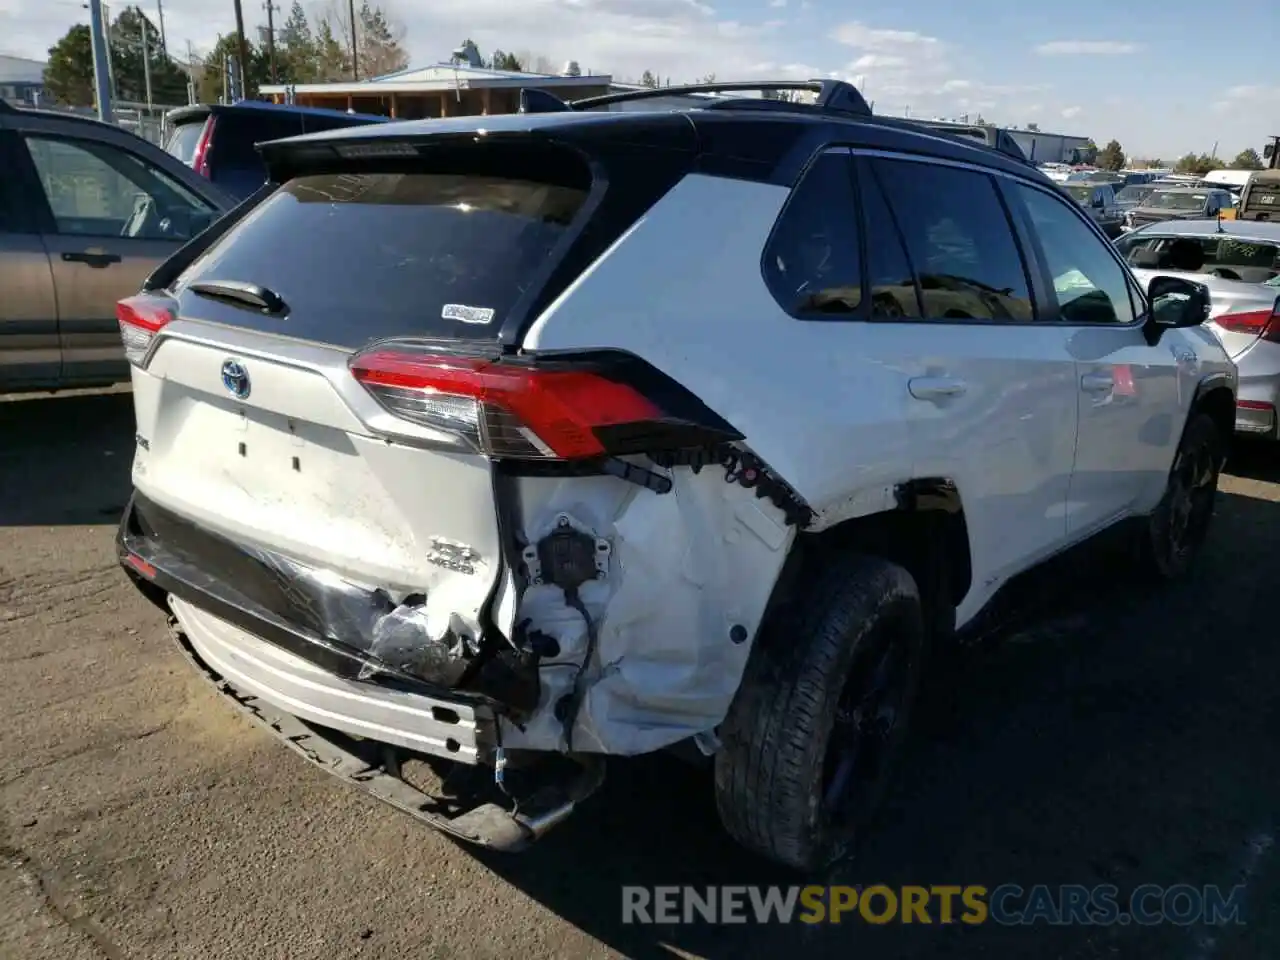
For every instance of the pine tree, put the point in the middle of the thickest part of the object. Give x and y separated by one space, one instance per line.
332 61
298 50
68 76
379 50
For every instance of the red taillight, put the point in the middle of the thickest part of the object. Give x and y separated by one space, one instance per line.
140 565
200 156
141 318
1258 323
508 410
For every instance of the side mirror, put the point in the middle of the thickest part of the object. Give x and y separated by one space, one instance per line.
1175 303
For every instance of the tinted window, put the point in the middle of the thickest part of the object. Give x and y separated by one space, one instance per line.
238 131
959 239
1091 287
95 189
893 285
811 262
183 139
361 256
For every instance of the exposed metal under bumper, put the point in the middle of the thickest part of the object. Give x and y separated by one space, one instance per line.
455 731
372 767
1256 421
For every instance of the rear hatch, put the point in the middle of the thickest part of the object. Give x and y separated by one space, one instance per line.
313 388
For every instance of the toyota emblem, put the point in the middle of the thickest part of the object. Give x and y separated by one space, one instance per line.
235 378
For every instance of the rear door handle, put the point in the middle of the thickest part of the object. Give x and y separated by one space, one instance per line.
92 259
1099 382
936 388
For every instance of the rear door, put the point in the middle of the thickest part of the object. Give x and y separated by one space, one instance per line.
993 399
1128 391
109 216
30 353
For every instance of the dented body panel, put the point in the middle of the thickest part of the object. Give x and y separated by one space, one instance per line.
689 576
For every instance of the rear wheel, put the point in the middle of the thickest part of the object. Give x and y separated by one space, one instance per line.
811 738
1175 531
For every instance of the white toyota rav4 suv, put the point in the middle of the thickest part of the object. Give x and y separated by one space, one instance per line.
485 448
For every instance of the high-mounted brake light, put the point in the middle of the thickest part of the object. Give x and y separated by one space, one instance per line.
1259 323
200 156
509 410
141 318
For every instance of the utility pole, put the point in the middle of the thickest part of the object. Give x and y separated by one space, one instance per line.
271 37
164 44
106 38
355 65
146 64
101 78
242 51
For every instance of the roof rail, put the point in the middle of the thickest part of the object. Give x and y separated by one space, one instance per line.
833 95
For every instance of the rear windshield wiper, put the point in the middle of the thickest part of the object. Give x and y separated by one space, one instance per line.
241 294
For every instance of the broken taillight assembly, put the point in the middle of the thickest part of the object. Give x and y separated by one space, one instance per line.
141 318
514 409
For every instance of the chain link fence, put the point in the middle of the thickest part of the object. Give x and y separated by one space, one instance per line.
146 121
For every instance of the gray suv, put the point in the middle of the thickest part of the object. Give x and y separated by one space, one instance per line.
1099 201
87 211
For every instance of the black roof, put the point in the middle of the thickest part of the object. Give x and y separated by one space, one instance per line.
781 137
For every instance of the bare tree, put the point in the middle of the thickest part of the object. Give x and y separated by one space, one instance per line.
538 62
379 34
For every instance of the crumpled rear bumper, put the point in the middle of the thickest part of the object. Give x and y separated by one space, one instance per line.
376 768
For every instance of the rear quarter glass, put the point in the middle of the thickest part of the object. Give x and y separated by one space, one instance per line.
364 256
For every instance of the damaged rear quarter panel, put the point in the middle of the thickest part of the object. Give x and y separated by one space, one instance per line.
686 569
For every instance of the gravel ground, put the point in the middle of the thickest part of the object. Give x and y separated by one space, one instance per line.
1127 736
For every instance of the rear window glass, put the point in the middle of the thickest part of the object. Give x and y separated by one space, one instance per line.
1251 261
362 256
182 141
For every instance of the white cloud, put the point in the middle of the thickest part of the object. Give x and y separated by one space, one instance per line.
1070 48
777 3
683 39
907 68
872 61
1072 112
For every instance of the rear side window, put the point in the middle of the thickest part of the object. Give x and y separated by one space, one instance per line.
183 139
811 263
960 241
363 256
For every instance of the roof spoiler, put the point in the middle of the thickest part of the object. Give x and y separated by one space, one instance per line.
833 96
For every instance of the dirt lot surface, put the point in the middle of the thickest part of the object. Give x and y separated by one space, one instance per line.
1129 736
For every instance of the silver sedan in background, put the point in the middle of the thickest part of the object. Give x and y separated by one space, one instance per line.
1239 261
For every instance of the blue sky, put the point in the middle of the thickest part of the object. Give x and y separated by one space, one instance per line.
1143 75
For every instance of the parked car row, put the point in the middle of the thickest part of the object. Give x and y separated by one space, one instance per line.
449 453
88 210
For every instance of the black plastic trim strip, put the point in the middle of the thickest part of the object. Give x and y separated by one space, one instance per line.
175 576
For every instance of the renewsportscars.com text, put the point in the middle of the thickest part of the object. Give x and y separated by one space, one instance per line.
1008 905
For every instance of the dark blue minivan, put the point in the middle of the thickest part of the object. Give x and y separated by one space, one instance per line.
217 140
